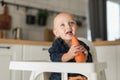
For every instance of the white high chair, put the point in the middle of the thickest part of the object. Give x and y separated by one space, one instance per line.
94 71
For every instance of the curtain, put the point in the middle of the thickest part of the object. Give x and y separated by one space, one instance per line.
98 23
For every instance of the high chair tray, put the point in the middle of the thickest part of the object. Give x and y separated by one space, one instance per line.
56 66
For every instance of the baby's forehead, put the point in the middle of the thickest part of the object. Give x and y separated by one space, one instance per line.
62 17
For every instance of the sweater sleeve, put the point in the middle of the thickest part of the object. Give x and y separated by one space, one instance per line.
55 52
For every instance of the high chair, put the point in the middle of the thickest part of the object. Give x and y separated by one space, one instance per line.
93 71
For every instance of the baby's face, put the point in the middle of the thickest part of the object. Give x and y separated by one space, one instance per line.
65 26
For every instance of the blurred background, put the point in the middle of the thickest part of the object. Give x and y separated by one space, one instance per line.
97 20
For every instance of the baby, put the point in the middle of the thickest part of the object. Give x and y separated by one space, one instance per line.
62 50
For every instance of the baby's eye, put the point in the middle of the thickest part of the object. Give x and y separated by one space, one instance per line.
72 23
62 24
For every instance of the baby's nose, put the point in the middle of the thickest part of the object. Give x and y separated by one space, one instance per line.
68 25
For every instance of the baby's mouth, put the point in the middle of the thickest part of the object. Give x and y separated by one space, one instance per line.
69 32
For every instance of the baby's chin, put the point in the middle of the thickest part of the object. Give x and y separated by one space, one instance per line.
68 37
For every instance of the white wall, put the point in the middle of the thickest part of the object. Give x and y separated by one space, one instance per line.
36 32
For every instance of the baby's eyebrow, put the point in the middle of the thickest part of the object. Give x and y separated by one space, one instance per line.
73 20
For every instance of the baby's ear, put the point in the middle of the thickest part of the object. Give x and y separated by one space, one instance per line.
56 33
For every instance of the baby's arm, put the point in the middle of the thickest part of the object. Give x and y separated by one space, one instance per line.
72 52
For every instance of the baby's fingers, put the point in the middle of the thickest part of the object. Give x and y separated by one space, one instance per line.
82 49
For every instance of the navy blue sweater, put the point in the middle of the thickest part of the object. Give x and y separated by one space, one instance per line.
58 48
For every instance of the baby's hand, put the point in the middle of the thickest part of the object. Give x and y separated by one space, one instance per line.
83 50
75 48
72 52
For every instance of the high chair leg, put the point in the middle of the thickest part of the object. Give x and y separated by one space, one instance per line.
64 76
93 76
34 75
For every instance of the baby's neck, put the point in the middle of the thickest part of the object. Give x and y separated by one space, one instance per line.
69 43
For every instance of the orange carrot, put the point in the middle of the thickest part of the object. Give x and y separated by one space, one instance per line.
80 57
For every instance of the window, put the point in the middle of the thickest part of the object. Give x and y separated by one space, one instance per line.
113 20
